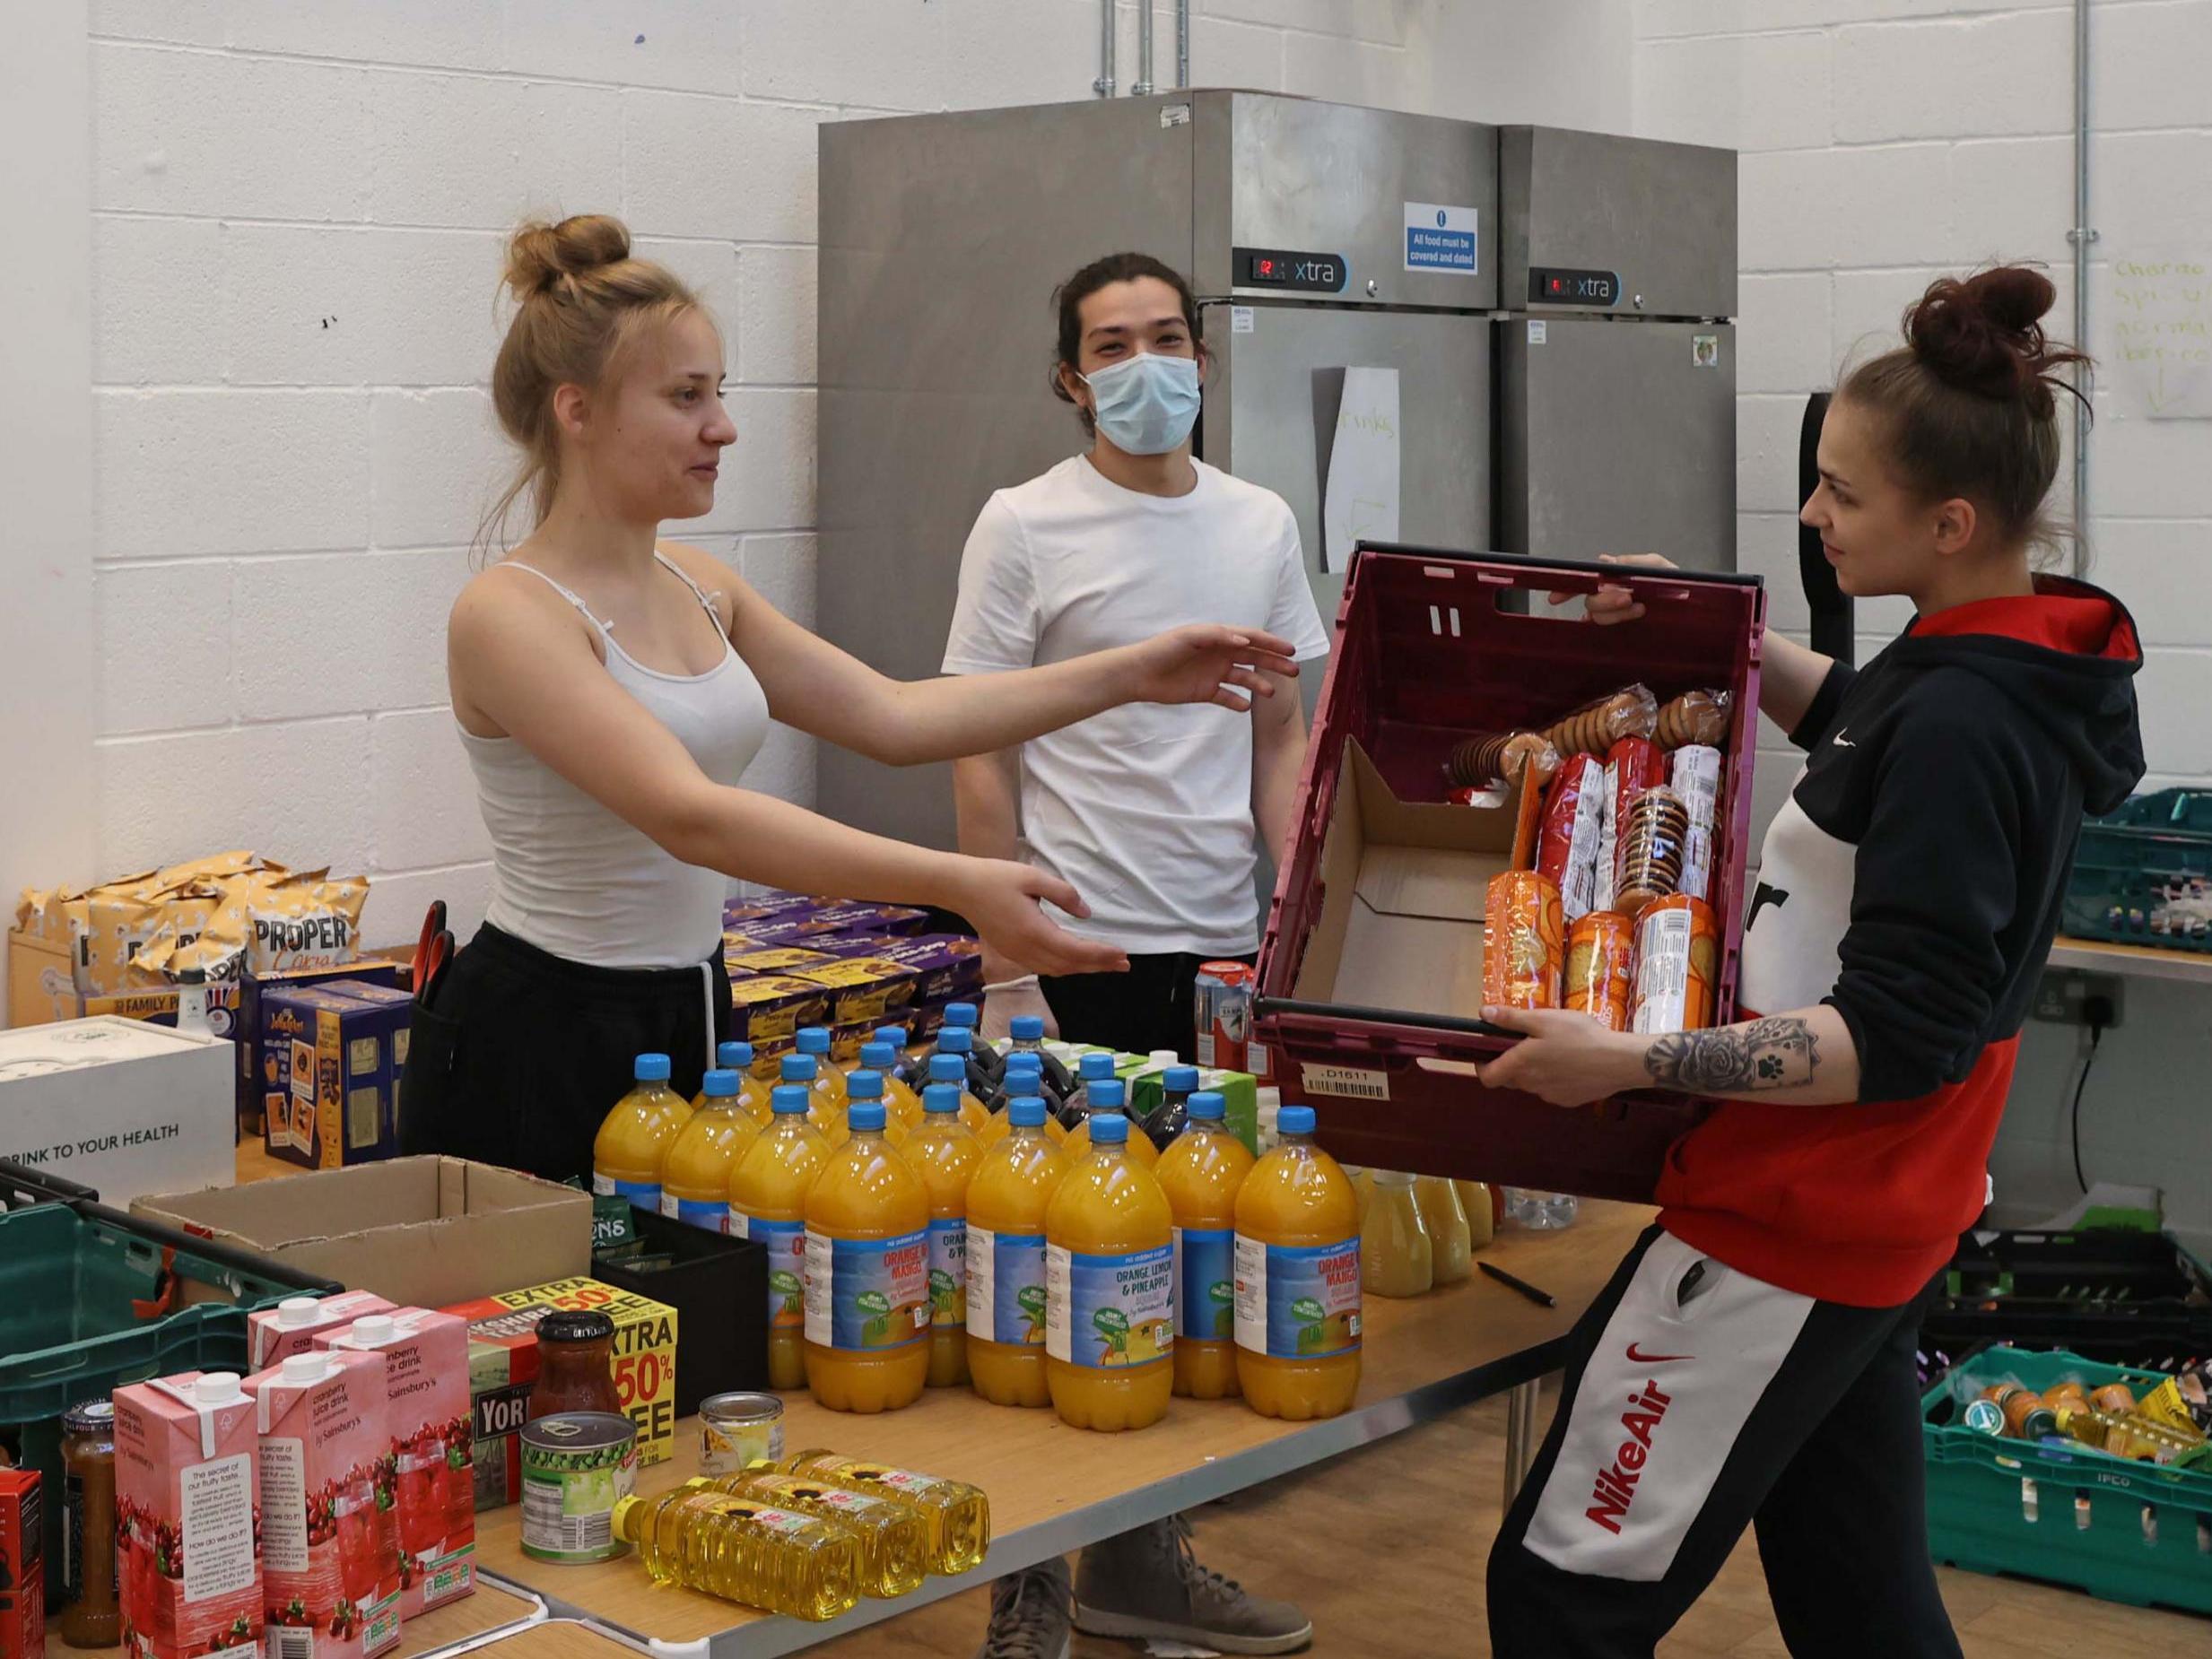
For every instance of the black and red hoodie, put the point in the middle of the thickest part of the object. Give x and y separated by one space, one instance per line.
1913 880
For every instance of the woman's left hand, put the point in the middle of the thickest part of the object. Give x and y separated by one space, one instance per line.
1202 663
1565 1058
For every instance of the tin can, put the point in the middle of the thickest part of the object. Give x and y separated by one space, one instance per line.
1984 1417
1601 968
1678 964
576 1467
1523 944
1224 1008
736 1431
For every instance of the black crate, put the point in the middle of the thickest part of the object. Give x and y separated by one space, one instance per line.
718 1288
2117 1296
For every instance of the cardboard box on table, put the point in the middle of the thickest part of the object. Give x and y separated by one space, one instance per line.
344 1050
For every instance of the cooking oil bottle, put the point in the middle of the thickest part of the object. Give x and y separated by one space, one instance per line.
1014 1181
694 1183
1109 1095
867 1273
752 1093
1298 1279
894 1541
959 1514
632 1144
744 1550
1200 1173
944 1155
1109 1288
768 1204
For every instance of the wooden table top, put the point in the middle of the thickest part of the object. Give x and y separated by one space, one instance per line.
557 1638
491 1608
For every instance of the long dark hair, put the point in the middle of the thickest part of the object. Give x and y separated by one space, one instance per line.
1068 300
1970 402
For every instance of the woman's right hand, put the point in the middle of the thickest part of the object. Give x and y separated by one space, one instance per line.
1000 899
1609 604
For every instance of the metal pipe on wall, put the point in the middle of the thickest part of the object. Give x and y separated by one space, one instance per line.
1182 44
2082 237
1104 85
1141 87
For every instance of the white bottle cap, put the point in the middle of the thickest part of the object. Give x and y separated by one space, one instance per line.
371 1331
216 1388
296 1313
307 1367
1165 1057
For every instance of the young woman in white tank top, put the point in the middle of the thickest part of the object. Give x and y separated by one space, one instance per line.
610 690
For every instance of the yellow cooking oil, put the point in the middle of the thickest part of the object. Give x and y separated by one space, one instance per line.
894 1540
744 1550
959 1514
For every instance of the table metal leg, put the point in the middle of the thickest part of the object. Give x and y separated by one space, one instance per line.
1520 1435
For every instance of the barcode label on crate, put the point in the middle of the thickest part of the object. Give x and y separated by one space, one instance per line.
1346 1082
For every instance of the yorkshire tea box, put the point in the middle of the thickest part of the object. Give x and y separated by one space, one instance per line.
344 1050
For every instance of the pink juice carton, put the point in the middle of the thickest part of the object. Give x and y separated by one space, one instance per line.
274 1334
429 1458
184 1499
319 1418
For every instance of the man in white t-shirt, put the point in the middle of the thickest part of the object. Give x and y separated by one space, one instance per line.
1155 815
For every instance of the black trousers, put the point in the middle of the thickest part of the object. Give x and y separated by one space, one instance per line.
1699 1401
1149 1007
525 1053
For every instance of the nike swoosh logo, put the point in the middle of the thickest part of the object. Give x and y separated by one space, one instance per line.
1842 742
1641 1358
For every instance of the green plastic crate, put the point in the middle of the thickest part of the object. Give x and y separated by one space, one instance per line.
69 1331
2004 1506
2142 873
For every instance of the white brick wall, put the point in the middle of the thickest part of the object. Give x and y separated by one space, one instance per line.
297 213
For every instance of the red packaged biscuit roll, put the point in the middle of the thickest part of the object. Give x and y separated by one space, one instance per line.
1601 964
1574 813
1677 964
1522 943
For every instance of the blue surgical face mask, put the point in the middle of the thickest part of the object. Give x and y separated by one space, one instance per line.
1147 405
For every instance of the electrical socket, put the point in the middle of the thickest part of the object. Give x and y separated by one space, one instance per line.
2063 995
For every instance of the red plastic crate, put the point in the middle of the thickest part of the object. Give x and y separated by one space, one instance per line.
1425 654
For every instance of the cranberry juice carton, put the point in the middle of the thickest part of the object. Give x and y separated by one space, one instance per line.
330 1590
428 1457
185 1498
274 1334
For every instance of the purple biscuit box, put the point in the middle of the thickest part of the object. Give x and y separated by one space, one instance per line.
950 966
865 919
737 913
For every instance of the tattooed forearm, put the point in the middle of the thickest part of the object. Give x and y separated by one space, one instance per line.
1765 1053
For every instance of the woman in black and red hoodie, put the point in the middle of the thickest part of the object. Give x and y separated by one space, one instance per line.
1752 1361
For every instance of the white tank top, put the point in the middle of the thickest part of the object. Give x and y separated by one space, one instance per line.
572 878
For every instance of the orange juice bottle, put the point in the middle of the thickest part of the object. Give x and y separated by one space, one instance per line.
865 1085
1109 1288
907 1067
631 1145
902 1106
1108 1095
1451 1239
694 1184
752 1093
814 1041
1024 1076
1200 1173
767 1202
944 1155
1013 1184
1298 1279
951 1068
803 1071
867 1273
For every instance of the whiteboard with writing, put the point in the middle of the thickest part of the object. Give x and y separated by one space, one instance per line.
2160 365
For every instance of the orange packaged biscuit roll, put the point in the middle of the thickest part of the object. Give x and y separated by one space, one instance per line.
1522 941
1678 964
1601 968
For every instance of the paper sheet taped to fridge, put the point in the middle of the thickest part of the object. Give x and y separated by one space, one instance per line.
2160 365
1360 498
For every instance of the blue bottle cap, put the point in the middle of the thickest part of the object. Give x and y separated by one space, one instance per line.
1107 1094
941 1097
1294 1120
947 1069
814 1039
1206 1104
960 1013
788 1097
863 1115
878 1057
1026 1112
1095 1065
1108 1129
652 1069
736 1057
897 1036
1183 1077
955 1040
865 1086
720 1083
799 1068
1027 1028
1025 1060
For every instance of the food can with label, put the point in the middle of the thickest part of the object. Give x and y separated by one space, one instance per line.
738 1430
576 1467
1678 964
1224 999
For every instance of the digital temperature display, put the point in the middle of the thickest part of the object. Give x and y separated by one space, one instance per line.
1272 267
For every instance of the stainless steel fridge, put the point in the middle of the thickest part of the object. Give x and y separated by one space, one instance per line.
1321 237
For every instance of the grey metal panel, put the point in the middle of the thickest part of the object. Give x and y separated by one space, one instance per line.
942 238
1271 416
1615 438
1662 215
1319 177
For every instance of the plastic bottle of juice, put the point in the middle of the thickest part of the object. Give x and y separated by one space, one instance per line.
1362 1188
1109 1288
1108 1095
1298 1279
867 1273
982 1079
966 1017
1451 1243
1178 1084
899 1100
803 1071
1013 1184
1397 1258
627 1153
959 1514
1095 1067
865 1085
752 1093
894 1541
767 1202
742 1549
944 1155
1025 1034
952 1068
1024 1077
694 1181
1200 1174
814 1041
910 1067
1482 1218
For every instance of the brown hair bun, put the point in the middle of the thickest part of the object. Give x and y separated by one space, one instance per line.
1984 334
540 254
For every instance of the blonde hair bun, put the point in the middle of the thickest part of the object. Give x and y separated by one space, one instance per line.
540 254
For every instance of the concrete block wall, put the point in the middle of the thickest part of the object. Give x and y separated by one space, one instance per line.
297 224
1886 143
